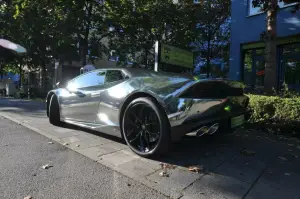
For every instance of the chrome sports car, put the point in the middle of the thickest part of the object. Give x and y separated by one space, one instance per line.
148 109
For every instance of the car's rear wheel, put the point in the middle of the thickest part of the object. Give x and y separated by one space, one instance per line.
54 114
146 128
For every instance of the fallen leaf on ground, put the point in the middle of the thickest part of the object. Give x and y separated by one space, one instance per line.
163 174
50 142
166 166
65 144
282 158
28 197
78 145
247 152
46 166
196 169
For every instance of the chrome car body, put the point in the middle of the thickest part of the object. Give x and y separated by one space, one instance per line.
100 107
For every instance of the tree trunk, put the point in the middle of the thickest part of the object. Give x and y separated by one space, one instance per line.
270 81
85 40
146 58
208 59
84 51
44 79
20 72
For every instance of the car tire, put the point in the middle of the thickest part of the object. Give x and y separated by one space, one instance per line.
54 113
164 141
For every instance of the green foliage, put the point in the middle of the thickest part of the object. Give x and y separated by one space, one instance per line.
138 25
285 92
274 109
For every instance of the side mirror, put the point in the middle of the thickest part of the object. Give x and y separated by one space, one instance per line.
57 84
60 85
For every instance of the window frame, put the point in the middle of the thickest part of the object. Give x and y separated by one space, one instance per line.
280 4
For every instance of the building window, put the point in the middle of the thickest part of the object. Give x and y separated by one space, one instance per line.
258 10
290 65
248 62
254 68
252 10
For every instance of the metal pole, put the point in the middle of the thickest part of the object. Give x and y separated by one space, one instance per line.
156 56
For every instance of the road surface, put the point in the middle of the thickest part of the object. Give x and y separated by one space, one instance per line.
24 152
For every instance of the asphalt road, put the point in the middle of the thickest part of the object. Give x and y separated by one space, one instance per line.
24 152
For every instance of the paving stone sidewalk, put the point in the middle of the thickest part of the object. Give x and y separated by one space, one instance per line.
246 164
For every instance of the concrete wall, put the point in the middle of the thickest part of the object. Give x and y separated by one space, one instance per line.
247 28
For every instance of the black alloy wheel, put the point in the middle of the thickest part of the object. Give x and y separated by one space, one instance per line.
146 128
54 112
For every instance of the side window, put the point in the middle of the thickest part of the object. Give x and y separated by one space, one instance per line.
113 75
95 78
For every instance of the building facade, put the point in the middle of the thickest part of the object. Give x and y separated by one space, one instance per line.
247 49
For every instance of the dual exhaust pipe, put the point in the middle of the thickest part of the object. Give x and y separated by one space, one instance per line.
205 130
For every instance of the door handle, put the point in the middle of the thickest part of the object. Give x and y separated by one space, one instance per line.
94 94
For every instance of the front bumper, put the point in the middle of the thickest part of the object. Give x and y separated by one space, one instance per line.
224 120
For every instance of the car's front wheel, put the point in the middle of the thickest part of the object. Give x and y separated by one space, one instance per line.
54 114
146 128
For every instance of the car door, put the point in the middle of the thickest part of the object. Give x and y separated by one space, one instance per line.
108 111
83 97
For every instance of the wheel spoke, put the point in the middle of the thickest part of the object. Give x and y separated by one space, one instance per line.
136 117
136 137
141 111
154 136
147 140
130 122
150 123
142 147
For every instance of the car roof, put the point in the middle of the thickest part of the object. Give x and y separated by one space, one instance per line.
140 72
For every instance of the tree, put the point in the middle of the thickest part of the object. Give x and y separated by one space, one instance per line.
89 27
213 30
271 7
39 26
138 24
56 30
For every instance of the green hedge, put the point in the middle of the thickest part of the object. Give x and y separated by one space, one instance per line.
274 109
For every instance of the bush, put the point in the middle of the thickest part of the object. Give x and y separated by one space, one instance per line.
277 109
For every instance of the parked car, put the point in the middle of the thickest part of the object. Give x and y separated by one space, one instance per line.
150 110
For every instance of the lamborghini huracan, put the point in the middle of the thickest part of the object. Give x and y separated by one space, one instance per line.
148 109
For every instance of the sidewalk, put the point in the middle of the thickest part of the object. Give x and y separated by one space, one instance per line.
241 165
